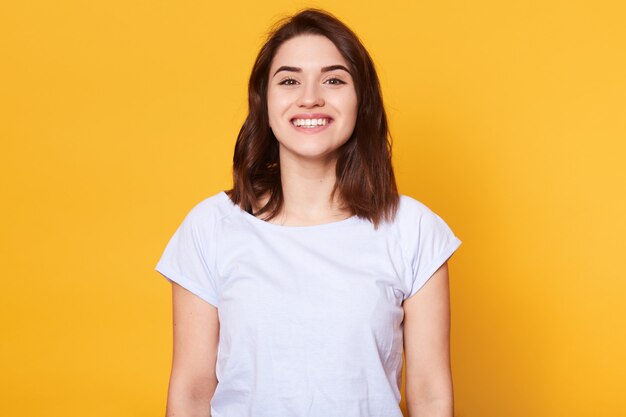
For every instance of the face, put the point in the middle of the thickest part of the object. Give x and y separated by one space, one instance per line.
311 98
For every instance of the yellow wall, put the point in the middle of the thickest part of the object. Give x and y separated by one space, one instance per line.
508 118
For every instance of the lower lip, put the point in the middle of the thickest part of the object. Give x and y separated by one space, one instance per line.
311 129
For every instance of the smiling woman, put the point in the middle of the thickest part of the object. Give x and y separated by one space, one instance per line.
296 291
309 59
296 95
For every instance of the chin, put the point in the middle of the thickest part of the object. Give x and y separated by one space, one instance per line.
310 153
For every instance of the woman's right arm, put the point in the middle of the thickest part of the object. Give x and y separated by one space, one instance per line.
196 334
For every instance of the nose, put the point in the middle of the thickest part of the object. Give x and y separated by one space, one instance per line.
310 96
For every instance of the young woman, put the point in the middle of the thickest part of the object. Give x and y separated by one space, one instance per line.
295 292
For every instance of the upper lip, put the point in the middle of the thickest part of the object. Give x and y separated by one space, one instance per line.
311 116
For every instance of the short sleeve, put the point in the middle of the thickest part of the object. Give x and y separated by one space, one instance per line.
435 244
187 258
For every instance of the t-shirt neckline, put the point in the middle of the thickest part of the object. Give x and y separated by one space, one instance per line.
255 220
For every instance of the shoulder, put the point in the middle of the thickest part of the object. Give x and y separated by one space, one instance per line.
210 210
415 222
411 210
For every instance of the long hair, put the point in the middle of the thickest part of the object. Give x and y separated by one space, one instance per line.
365 179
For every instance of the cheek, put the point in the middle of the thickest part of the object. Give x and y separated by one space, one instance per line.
351 109
276 106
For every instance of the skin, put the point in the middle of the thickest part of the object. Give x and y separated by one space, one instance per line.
307 161
308 175
428 378
196 333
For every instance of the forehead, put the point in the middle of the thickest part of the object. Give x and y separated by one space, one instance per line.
307 52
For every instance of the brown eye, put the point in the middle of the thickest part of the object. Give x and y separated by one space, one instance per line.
335 81
288 81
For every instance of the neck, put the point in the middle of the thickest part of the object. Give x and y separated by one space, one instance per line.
307 187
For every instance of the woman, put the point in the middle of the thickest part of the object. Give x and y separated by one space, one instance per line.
295 292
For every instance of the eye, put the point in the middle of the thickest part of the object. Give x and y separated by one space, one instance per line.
335 81
288 81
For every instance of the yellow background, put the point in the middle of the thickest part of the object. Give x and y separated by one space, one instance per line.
508 119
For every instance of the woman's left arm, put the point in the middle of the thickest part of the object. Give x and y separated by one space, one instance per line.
428 381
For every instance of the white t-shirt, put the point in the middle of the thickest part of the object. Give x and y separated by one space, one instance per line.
310 316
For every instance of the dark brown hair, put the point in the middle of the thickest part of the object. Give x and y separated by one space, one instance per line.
365 178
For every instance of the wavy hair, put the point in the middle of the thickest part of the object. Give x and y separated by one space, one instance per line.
365 179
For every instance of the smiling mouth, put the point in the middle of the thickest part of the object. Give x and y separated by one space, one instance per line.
311 123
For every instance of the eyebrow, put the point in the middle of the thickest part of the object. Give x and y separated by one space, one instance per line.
323 70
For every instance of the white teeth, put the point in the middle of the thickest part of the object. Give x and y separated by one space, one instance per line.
310 122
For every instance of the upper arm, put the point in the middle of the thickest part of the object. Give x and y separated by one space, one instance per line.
196 335
427 340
